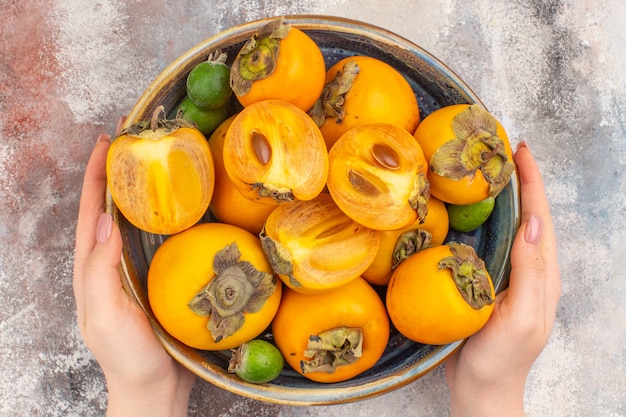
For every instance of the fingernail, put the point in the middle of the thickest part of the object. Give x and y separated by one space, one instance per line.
120 122
103 230
532 231
103 137
521 145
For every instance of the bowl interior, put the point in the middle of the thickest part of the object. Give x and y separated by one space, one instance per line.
434 86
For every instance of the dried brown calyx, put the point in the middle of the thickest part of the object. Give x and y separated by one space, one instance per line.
333 348
469 274
418 199
476 146
158 124
409 243
237 288
257 58
278 257
330 103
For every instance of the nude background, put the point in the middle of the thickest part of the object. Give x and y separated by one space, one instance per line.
551 71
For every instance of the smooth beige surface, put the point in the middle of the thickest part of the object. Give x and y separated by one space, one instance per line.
551 71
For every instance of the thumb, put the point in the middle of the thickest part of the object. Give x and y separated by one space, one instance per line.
103 286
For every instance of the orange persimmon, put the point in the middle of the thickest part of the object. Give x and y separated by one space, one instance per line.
161 175
397 245
468 152
440 295
363 90
333 336
314 247
228 205
283 63
274 153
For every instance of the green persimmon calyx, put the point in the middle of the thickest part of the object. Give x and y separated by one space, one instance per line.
469 274
237 288
475 146
333 348
330 103
257 58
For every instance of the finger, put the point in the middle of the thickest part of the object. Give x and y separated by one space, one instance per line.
536 202
527 281
91 206
92 197
102 285
120 123
535 279
533 197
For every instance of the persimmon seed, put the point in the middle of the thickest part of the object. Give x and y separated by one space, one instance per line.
362 184
262 148
385 156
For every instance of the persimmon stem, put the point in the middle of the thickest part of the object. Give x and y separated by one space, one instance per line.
154 122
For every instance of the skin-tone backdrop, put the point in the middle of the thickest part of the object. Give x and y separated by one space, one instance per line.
548 70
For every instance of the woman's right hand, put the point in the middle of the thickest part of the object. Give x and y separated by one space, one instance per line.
488 374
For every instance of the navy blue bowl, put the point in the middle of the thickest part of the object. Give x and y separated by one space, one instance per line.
435 86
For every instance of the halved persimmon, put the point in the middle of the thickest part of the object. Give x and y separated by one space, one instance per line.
363 90
314 247
160 174
377 176
397 245
275 153
228 204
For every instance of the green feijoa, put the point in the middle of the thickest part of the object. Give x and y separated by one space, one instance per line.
206 120
257 361
208 84
466 218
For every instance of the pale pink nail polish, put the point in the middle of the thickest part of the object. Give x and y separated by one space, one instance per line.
103 137
103 230
532 231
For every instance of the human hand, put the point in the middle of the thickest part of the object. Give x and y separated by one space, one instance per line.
487 375
142 379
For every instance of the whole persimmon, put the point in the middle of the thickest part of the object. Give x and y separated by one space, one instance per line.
362 90
440 295
212 288
468 152
281 62
332 336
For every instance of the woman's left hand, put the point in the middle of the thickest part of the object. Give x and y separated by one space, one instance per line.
142 378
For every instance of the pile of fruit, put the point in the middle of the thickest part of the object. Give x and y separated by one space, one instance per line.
327 185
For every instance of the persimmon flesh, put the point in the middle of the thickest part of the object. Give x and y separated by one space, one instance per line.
314 247
275 153
377 176
228 205
161 178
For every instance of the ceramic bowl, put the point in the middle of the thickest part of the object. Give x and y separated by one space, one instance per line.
435 86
